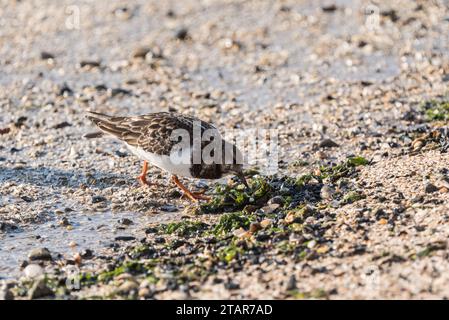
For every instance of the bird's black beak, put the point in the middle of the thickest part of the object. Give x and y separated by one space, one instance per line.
243 179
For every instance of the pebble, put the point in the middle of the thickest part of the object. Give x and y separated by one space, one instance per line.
265 223
87 254
64 222
254 227
90 63
327 192
276 200
270 208
124 238
144 292
182 34
328 143
33 271
39 254
62 125
291 283
329 8
46 55
311 244
125 221
98 199
141 52
169 208
430 188
128 286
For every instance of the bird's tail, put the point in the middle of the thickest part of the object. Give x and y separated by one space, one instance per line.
96 117
107 124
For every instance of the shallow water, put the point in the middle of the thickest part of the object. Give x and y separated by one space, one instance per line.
94 231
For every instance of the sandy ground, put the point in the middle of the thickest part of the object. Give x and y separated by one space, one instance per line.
350 71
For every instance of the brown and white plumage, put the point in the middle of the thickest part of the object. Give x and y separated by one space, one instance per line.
150 137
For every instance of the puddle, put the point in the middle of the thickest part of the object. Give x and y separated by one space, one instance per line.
94 231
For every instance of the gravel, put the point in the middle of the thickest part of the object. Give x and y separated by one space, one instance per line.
307 71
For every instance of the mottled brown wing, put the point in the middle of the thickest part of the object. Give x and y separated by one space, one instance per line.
157 137
150 132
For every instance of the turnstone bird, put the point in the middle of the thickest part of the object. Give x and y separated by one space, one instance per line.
156 139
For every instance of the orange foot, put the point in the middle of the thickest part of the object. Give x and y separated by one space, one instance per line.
143 176
194 196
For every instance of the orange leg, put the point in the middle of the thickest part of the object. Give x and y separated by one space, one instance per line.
191 195
143 175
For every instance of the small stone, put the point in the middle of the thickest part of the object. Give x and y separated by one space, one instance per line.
443 190
169 208
328 143
86 254
327 192
383 221
249 208
33 271
151 230
144 292
39 254
90 64
64 222
124 238
128 286
98 199
62 125
240 233
46 55
141 52
329 8
182 34
125 221
39 290
430 188
311 244
65 90
322 249
277 200
123 13
119 91
291 283
320 155
254 227
265 223
270 208
417 144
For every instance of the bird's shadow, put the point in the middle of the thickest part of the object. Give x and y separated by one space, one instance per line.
56 177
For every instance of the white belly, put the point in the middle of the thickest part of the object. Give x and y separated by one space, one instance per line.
163 162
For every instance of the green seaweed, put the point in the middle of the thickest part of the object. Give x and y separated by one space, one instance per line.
231 221
314 294
235 197
435 110
184 228
345 169
353 196
229 253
